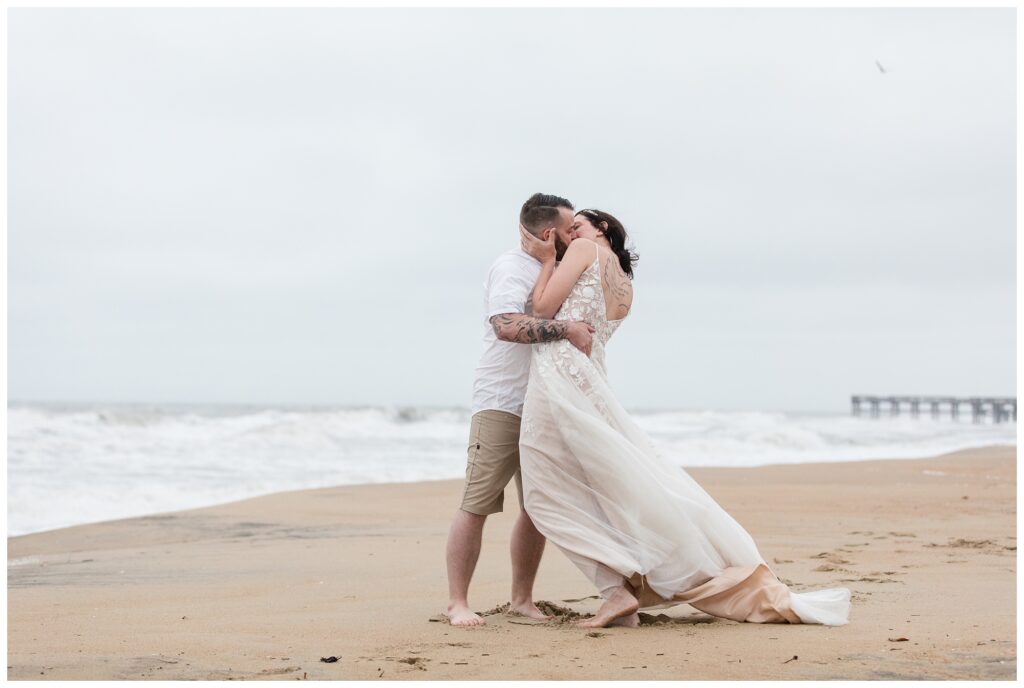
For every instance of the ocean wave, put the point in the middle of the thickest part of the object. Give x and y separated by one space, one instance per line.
79 464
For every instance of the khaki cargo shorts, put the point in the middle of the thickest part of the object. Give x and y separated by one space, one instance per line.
492 460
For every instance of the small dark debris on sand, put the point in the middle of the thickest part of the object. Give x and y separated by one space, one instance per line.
330 660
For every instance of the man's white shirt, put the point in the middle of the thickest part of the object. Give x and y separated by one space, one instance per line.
504 368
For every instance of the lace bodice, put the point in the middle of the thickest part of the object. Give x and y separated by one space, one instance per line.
586 303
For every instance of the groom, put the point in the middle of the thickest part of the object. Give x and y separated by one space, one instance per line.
498 394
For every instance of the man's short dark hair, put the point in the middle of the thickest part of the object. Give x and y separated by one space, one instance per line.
541 211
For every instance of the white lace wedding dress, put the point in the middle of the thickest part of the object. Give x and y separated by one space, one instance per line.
597 488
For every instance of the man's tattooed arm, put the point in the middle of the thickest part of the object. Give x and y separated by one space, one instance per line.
525 329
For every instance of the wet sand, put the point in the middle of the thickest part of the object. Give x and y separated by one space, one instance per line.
266 587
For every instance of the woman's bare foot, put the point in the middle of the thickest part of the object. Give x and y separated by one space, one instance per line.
461 615
620 604
528 609
631 621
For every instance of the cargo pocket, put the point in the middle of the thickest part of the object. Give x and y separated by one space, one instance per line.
472 449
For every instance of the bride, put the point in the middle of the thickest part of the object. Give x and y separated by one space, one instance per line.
635 524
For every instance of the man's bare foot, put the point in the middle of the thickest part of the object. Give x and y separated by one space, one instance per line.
631 621
461 615
620 604
528 609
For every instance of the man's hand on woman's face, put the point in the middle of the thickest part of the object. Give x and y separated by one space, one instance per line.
541 249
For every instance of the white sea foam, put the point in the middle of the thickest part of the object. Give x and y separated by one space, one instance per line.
71 465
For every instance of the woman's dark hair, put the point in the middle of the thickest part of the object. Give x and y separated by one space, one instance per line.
616 235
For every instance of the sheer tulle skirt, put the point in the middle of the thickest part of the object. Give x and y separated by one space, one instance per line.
596 487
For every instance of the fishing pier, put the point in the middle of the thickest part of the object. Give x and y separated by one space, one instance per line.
998 409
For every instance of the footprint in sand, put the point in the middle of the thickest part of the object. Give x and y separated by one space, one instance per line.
652 620
830 557
278 672
560 614
500 609
415 662
974 544
869 579
967 543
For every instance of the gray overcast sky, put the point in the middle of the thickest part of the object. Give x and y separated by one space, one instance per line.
300 206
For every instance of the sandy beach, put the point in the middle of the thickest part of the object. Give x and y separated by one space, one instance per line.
266 587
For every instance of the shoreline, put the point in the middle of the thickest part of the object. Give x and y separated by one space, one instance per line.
996 445
264 586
